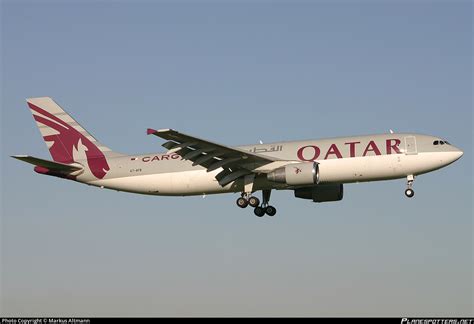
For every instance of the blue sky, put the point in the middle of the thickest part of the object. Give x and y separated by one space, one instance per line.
236 73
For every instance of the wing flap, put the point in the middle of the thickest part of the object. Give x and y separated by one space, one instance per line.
221 163
233 176
169 145
196 153
204 159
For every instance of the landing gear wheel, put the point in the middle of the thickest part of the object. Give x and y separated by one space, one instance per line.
254 201
270 211
259 211
409 193
242 202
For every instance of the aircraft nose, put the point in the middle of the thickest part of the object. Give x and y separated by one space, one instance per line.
459 154
455 155
451 156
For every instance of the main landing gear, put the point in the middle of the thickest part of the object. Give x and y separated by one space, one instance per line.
409 192
259 210
247 199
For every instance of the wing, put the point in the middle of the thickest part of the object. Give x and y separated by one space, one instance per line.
235 163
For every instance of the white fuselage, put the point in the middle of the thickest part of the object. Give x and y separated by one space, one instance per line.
339 162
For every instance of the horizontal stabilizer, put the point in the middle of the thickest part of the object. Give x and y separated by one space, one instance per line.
50 165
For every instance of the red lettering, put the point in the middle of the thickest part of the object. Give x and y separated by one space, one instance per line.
333 150
352 148
391 146
316 152
372 147
162 157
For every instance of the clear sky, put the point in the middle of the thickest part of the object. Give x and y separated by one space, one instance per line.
236 73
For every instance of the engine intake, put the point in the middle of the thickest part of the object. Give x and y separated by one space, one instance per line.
321 193
296 174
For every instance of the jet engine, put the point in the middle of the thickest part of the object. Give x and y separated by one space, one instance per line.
321 193
296 174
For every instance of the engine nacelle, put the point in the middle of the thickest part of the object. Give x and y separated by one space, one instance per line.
296 174
321 193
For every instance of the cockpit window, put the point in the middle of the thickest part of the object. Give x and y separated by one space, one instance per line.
440 142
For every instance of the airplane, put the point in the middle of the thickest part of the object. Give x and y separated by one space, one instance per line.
314 169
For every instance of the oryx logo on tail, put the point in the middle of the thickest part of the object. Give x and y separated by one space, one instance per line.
65 138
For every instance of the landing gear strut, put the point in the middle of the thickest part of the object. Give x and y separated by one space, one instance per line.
409 192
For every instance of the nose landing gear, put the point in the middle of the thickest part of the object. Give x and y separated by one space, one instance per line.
409 192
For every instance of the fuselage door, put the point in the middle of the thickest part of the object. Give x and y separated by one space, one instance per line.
410 145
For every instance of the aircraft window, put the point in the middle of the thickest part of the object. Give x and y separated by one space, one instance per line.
441 142
435 142
446 142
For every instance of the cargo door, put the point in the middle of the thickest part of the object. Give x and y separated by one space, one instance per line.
410 145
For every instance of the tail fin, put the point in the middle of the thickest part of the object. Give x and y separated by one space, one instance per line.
67 141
